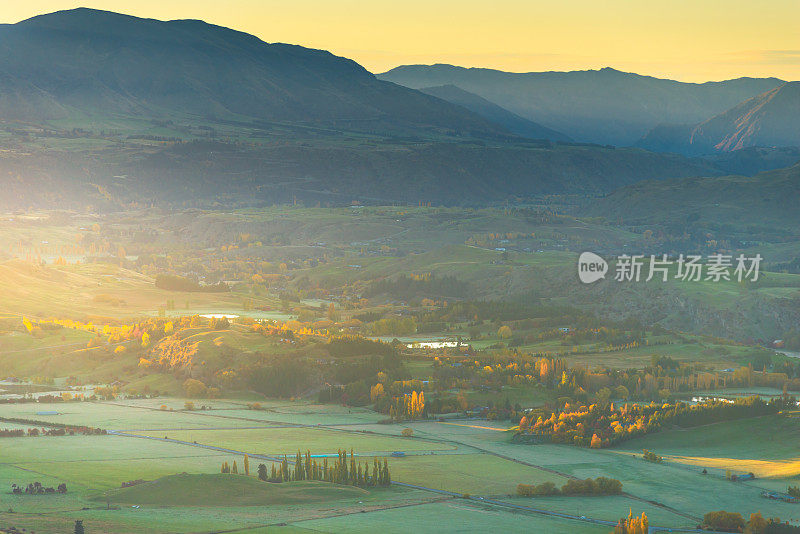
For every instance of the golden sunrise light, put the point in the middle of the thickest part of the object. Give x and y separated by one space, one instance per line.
683 40
538 272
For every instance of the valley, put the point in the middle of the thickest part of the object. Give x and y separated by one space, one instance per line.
249 286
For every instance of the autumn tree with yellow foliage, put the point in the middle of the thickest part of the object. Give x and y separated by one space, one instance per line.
632 524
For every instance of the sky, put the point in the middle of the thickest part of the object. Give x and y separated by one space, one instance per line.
685 40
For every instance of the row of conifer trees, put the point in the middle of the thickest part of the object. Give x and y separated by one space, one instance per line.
343 470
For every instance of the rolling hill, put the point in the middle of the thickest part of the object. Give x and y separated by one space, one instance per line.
494 113
750 205
219 489
603 106
210 175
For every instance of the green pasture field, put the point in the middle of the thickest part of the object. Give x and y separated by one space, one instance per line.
467 456
677 487
766 446
477 474
111 416
288 440
453 516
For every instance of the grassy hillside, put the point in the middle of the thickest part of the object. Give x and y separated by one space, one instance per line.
761 208
227 490
326 169
92 290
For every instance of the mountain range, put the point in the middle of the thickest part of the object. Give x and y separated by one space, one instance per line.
603 106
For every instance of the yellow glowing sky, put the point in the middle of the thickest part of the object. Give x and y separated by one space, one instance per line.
689 40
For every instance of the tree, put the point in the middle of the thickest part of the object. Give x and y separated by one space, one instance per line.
632 524
234 469
246 465
333 315
79 527
262 471
386 478
756 525
724 521
194 388
504 332
376 392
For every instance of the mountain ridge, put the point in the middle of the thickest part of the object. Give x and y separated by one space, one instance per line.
91 60
603 106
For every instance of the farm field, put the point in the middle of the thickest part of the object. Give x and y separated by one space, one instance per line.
459 457
730 446
315 356
449 517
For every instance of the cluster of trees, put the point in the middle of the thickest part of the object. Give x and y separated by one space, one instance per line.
179 283
36 488
280 377
343 470
407 406
632 524
661 381
419 285
35 432
650 456
349 346
46 428
597 486
197 389
604 425
227 468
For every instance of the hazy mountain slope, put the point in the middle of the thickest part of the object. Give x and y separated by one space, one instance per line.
103 62
203 174
767 200
601 106
769 119
494 113
315 126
